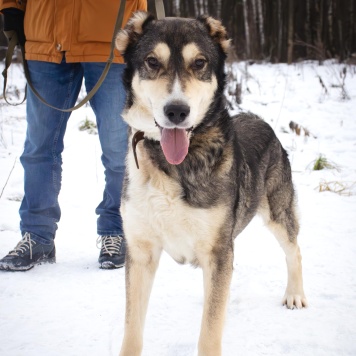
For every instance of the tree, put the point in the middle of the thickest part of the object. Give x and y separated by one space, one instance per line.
279 30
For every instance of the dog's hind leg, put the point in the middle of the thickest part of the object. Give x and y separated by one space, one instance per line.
278 212
141 264
217 272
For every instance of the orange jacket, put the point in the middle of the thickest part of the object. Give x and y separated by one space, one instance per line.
80 30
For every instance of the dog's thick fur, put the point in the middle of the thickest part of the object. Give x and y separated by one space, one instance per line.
192 202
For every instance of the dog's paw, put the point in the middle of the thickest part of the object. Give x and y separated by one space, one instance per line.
295 301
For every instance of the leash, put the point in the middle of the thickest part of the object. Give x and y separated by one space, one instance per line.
12 37
137 137
13 41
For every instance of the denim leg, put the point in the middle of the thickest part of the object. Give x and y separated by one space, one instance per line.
58 84
107 105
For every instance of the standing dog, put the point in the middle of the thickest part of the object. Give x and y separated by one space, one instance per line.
195 176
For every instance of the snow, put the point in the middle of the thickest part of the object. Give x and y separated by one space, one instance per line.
74 308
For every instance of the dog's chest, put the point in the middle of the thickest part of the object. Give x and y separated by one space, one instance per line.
156 211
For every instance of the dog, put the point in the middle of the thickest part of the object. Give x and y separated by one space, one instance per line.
195 176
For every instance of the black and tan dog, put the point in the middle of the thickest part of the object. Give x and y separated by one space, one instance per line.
195 175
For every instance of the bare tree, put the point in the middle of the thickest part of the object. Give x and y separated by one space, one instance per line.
290 31
260 25
282 30
247 28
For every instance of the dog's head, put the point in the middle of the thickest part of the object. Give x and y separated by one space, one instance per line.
175 70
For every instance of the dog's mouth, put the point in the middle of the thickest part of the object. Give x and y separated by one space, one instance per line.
175 143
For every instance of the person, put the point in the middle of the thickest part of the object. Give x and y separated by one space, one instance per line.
66 41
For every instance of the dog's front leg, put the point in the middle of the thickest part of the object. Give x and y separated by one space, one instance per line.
141 265
217 271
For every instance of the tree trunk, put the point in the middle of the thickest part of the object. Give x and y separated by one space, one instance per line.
290 31
261 26
280 30
247 29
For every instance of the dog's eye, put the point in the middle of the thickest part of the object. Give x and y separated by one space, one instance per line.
199 63
153 62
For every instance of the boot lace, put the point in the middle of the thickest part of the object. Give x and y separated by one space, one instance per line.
25 244
110 245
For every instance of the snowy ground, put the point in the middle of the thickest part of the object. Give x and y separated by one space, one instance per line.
73 308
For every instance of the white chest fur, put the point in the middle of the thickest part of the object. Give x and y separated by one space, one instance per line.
155 211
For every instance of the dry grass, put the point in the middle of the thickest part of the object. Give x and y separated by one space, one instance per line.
341 188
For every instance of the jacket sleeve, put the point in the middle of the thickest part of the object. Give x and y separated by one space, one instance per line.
17 4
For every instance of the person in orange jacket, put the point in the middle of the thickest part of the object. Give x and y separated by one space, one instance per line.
66 41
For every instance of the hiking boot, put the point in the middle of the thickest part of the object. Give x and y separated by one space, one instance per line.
27 254
113 250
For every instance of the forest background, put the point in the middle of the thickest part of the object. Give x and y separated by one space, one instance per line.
280 30
276 31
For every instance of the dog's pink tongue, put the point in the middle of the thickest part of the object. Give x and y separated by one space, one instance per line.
175 144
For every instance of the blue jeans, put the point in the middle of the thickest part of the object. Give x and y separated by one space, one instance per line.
59 85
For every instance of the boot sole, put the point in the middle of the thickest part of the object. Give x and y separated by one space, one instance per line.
110 265
10 268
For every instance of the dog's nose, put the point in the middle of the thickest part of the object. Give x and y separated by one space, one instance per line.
176 113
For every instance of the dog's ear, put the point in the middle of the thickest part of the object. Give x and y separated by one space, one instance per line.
217 31
132 30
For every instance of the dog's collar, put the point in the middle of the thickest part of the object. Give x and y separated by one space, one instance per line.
137 137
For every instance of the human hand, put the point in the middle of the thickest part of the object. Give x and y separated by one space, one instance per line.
14 21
